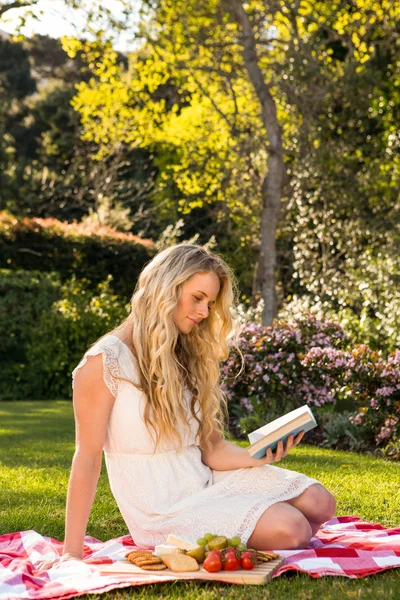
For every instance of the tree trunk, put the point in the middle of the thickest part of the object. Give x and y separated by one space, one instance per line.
273 182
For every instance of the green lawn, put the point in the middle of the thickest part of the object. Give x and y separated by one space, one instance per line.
37 443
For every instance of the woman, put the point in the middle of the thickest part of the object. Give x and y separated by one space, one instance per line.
148 394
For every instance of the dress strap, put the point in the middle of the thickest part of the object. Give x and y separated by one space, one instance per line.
109 348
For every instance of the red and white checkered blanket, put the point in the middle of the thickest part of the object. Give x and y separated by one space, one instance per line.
345 546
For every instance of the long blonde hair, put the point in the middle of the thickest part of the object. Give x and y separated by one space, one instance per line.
168 361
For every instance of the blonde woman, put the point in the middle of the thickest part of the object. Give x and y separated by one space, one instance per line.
148 395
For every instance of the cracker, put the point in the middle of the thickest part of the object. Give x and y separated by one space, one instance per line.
266 556
132 556
138 553
159 567
147 561
180 563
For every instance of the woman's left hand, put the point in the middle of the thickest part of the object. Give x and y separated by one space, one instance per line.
281 450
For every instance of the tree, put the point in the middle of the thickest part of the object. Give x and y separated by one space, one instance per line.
6 6
248 109
16 83
236 60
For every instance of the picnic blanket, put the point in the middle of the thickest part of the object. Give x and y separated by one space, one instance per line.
345 546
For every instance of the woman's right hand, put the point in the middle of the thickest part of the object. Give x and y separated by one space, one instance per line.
44 565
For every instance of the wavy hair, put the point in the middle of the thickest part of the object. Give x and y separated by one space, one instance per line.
170 362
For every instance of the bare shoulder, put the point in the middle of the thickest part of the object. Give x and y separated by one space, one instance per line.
93 402
91 372
90 390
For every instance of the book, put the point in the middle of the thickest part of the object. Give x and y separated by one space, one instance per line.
268 436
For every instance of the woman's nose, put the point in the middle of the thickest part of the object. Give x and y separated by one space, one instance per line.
203 311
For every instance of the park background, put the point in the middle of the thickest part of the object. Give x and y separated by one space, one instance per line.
267 131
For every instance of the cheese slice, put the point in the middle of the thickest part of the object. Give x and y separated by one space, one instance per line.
167 549
182 543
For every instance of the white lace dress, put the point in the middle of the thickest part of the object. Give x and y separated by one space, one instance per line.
170 491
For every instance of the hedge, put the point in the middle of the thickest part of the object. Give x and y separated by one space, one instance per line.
45 327
71 249
24 297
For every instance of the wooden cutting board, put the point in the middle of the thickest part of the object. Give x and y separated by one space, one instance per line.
261 574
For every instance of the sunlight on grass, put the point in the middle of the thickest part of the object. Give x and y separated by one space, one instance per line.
36 449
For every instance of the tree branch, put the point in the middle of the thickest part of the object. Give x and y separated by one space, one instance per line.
16 4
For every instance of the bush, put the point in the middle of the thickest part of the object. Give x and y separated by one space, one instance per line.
85 251
288 365
372 382
338 431
274 379
63 333
45 327
366 301
24 297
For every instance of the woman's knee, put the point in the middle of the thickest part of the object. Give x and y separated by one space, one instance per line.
327 504
322 501
281 527
296 532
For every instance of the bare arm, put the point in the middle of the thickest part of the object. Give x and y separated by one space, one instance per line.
92 402
226 456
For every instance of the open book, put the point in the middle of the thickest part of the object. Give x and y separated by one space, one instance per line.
268 436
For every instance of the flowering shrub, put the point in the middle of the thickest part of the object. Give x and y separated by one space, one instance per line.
309 362
274 379
373 382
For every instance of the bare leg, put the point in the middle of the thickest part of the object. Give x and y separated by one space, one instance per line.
314 527
281 527
316 504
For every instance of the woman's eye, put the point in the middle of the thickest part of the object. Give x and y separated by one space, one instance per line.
200 299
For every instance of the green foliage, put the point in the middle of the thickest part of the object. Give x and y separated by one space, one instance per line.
85 251
24 297
209 156
338 431
340 233
16 81
365 299
186 96
66 330
46 326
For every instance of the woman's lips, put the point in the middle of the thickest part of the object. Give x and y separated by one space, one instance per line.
193 321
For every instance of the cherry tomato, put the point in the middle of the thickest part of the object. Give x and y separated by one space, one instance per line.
212 563
252 553
248 560
231 562
215 553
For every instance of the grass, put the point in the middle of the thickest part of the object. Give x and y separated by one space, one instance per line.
36 448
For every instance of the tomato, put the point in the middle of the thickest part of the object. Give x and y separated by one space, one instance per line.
231 562
212 563
215 553
248 560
